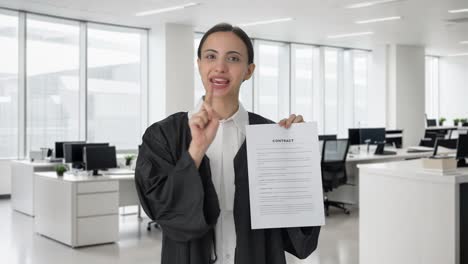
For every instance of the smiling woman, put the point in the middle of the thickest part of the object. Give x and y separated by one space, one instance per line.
191 172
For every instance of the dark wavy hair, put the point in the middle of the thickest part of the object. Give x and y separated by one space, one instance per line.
225 27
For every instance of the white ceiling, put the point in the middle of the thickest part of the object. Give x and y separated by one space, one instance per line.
424 21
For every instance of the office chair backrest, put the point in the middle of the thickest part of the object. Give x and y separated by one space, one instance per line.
446 143
335 150
433 135
430 138
334 163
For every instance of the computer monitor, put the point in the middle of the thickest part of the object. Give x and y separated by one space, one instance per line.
372 135
73 152
59 147
446 143
327 137
354 136
359 136
431 122
99 158
462 150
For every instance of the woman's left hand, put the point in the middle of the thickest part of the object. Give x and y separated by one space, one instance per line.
286 122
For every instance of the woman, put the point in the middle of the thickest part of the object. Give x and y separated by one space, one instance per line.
191 172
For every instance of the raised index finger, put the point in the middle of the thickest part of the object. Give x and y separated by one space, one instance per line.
209 96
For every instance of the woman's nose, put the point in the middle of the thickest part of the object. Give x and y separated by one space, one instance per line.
221 66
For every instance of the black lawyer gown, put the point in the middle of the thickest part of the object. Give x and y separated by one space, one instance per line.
183 200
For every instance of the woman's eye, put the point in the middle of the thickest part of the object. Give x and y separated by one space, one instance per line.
234 59
210 56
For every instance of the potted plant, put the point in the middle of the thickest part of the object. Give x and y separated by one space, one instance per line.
128 159
61 169
463 121
456 121
441 121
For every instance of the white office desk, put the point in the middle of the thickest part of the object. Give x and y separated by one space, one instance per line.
409 215
349 193
401 154
81 210
22 183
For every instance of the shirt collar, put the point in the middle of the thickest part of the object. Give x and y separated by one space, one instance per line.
240 117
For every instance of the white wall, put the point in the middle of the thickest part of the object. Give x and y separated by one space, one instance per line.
156 74
5 177
406 91
171 78
453 91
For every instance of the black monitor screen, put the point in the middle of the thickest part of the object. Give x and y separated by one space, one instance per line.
359 136
99 157
73 152
372 135
354 136
327 137
462 146
59 147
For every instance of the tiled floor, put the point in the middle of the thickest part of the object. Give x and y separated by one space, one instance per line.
20 245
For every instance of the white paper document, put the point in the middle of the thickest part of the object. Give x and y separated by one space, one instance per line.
284 176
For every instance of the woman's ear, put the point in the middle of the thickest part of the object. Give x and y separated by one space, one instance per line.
250 71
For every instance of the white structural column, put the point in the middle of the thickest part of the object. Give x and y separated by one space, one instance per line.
405 91
376 116
171 80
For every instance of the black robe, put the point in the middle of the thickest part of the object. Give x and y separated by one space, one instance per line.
183 201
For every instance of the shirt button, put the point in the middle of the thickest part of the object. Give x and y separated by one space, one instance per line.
228 256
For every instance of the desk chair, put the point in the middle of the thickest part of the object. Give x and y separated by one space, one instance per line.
446 143
430 139
325 137
334 169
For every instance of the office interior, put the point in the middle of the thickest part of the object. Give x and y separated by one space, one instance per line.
385 81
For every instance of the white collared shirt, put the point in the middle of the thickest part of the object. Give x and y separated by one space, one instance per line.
228 140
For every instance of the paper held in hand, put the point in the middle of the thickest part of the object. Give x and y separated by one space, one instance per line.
284 176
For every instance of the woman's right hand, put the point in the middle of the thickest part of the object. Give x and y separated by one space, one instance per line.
203 127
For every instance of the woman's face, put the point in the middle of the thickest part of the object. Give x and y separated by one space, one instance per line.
224 64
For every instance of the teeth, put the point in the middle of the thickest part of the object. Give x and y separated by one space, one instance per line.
220 80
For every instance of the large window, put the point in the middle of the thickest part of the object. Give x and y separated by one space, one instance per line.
432 87
8 85
53 55
64 80
114 94
302 80
272 80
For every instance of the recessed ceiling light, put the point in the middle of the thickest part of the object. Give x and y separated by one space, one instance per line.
267 22
163 10
464 42
458 10
350 35
378 20
458 54
371 3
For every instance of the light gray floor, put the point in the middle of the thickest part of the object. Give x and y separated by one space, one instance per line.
20 245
